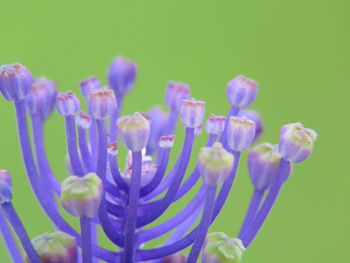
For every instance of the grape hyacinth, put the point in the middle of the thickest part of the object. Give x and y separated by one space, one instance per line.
124 203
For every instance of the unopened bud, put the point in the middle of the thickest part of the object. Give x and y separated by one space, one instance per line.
215 164
241 91
81 196
256 118
89 85
42 97
175 93
263 163
296 142
122 75
113 148
5 187
15 81
219 248
166 141
192 113
240 133
83 120
134 131
215 124
55 247
102 103
67 104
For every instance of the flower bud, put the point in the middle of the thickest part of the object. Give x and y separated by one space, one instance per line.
215 164
122 75
176 92
42 97
219 248
296 142
88 85
83 120
15 81
198 130
192 113
55 247
166 141
112 148
241 91
81 196
256 118
158 120
215 124
240 133
175 258
134 131
102 103
263 163
5 187
67 104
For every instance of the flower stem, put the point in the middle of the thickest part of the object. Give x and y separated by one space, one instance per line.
86 247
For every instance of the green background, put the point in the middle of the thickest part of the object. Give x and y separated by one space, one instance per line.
297 50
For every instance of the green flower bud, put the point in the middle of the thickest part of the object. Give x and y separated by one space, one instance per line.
55 247
219 248
81 196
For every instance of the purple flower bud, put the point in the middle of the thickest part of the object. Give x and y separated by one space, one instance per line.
42 97
219 248
175 258
215 124
192 113
263 163
240 133
158 120
15 81
81 196
55 247
102 103
83 120
134 131
122 75
67 104
198 130
5 186
113 148
256 117
88 85
166 141
215 164
296 142
241 91
175 93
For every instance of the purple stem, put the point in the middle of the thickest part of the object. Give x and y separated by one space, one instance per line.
105 222
171 122
118 178
131 209
157 208
86 248
93 143
114 118
232 112
34 179
203 225
72 146
9 240
162 166
21 232
164 251
84 150
252 210
266 207
162 229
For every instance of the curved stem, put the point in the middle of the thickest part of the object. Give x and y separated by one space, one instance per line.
21 232
117 177
84 150
86 248
203 225
9 240
72 146
171 122
131 209
266 207
252 210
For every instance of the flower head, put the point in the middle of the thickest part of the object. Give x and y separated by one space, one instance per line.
176 92
192 113
67 103
89 85
241 91
101 103
240 133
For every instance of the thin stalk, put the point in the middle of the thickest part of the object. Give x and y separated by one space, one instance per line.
86 247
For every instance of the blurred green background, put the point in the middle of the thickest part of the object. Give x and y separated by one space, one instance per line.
297 50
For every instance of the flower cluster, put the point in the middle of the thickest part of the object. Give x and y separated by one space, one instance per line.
124 203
